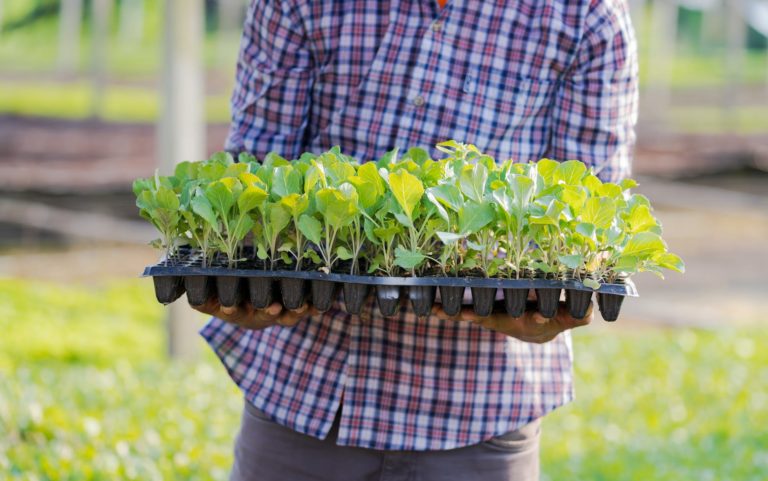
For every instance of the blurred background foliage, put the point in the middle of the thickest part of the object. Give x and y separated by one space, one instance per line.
87 391
677 389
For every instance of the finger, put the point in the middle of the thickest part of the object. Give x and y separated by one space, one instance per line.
269 313
230 310
568 321
467 314
211 306
300 310
293 316
538 318
438 311
289 318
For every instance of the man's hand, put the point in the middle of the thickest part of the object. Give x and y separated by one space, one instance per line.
247 317
530 327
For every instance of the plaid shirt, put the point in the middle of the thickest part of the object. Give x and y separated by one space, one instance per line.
521 80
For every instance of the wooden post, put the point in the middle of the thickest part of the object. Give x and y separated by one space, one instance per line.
70 24
102 11
637 12
662 52
131 21
229 15
181 132
229 25
736 32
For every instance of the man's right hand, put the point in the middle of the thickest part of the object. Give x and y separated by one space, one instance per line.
247 317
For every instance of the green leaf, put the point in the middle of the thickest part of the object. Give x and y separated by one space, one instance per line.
546 169
222 157
543 267
599 211
586 229
202 207
311 228
640 219
242 227
246 158
335 208
166 199
312 255
408 259
472 181
448 238
221 196
608 189
343 253
296 204
387 234
670 261
403 219
368 228
628 264
627 184
522 190
234 170
272 160
447 195
141 185
438 206
644 245
251 198
592 182
279 217
569 172
407 190
417 154
369 185
473 217
589 282
571 261
286 181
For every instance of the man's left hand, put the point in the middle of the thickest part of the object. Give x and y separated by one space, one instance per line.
530 327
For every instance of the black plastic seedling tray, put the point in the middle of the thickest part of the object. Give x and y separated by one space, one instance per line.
293 288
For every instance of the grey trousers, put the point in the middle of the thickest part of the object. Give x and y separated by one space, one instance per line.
267 451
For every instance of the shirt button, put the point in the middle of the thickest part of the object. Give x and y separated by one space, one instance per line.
437 26
418 101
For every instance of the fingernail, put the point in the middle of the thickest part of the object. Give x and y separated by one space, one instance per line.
300 310
274 309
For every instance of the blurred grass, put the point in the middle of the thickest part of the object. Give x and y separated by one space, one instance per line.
75 101
85 390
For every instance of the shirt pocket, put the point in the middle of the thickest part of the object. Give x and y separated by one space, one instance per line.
494 107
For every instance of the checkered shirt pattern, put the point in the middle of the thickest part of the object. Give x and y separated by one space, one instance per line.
521 80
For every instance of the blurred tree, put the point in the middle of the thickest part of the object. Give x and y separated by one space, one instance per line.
100 17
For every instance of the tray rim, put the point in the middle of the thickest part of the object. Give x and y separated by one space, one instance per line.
627 289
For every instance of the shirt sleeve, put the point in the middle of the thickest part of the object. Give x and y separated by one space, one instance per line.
275 69
596 106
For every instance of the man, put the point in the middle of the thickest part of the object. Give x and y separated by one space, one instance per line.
338 397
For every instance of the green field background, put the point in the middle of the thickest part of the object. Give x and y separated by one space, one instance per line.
652 404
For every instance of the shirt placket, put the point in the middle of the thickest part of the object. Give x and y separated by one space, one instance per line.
422 90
